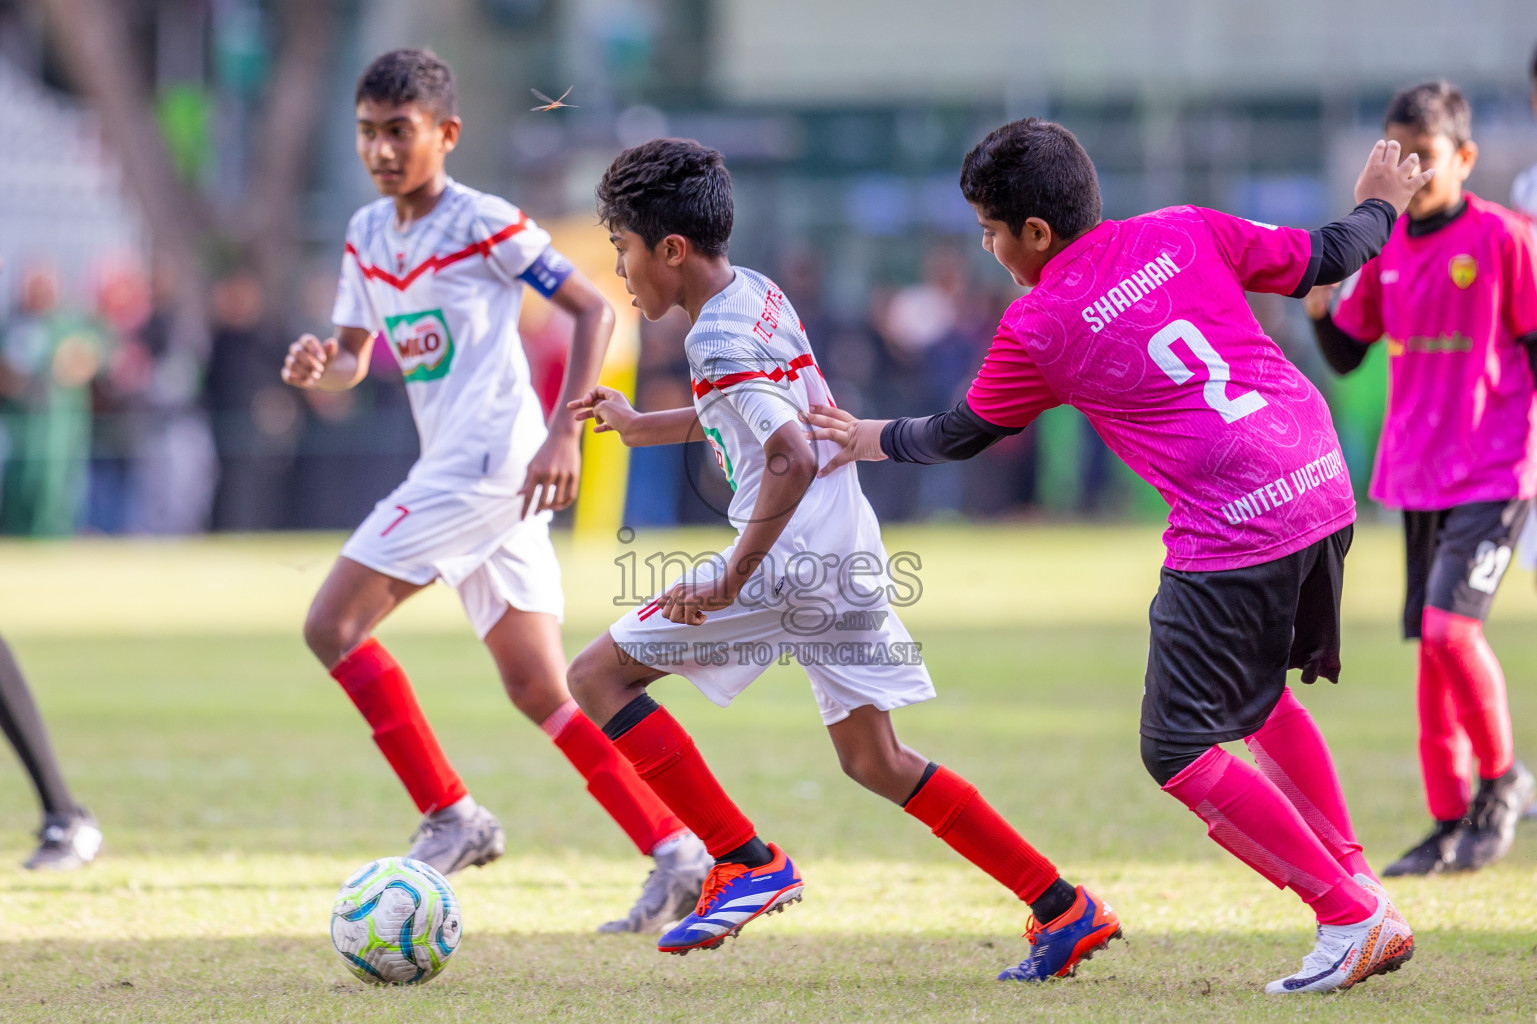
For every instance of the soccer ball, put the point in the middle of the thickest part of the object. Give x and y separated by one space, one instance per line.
396 922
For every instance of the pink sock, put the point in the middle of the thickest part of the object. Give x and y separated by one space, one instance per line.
1446 757
1291 752
1477 684
1250 818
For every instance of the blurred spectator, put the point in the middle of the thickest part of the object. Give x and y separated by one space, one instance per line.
123 306
255 418
174 465
49 354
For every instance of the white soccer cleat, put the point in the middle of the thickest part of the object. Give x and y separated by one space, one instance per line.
452 843
69 841
671 890
1347 955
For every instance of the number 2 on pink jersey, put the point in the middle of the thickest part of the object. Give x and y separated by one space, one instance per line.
1161 348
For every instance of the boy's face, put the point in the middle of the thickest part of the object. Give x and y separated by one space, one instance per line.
1022 255
403 147
1452 164
653 276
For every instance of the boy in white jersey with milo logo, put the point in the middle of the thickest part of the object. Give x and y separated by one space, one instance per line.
1143 326
438 270
807 575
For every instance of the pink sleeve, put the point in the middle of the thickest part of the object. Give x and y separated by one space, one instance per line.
1266 258
1009 389
1359 313
1520 268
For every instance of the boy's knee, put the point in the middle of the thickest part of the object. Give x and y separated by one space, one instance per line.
329 637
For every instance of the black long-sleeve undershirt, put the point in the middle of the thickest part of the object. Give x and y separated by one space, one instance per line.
1342 247
1342 352
945 437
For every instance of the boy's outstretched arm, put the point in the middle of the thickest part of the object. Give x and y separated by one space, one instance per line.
790 466
555 471
611 412
336 364
1343 247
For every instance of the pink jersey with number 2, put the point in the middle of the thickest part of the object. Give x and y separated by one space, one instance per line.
1143 326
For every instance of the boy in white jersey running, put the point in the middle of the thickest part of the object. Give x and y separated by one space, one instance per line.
806 575
438 270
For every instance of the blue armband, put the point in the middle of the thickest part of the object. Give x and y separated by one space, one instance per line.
548 272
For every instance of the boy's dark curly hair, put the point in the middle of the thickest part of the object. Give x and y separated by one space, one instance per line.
669 187
1433 108
406 76
1033 168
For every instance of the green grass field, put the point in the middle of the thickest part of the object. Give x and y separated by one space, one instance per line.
237 787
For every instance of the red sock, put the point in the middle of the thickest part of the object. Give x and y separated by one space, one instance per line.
1251 819
956 812
1446 757
380 689
665 756
1477 683
1291 752
610 779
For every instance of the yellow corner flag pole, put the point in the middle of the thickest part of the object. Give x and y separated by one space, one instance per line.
605 460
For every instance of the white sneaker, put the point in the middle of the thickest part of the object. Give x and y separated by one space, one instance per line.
670 892
450 843
1348 954
69 841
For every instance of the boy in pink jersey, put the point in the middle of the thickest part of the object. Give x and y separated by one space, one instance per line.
1143 326
1454 294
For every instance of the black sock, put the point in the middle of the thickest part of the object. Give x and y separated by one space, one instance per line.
629 716
754 853
1054 902
23 726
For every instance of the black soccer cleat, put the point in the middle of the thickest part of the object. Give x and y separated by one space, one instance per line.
1491 822
1436 853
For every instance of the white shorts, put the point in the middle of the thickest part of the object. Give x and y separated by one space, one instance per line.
854 656
475 543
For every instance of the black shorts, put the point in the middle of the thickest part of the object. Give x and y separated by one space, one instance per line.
1222 642
1456 558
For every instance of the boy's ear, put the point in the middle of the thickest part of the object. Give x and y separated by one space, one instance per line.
1037 234
1467 156
450 126
673 250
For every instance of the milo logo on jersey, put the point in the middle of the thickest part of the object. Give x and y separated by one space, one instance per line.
718 445
422 344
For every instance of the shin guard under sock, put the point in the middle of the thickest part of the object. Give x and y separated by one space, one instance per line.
379 687
1291 752
953 809
1250 818
610 779
1469 669
664 756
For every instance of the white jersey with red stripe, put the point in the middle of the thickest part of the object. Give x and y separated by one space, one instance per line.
752 372
445 294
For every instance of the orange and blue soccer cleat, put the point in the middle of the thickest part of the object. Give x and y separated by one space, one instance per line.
1347 955
1057 948
733 895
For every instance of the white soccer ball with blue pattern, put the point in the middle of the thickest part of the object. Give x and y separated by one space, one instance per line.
396 922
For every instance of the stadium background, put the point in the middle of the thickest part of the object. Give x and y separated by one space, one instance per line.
187 257
184 169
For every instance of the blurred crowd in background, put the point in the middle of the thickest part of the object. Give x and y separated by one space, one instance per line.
177 174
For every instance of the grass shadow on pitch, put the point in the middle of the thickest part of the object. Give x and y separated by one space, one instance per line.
1177 976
